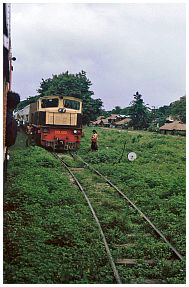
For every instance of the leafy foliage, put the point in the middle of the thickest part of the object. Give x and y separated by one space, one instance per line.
178 109
139 113
66 84
26 102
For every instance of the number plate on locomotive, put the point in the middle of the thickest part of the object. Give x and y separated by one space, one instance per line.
61 132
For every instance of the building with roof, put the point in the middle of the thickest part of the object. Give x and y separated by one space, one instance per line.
175 127
23 114
111 121
123 124
101 123
100 118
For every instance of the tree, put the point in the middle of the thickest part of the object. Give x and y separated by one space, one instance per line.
91 109
126 111
26 102
178 109
117 110
139 113
77 85
105 113
161 114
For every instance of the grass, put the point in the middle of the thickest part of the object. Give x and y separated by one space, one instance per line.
50 236
49 230
156 180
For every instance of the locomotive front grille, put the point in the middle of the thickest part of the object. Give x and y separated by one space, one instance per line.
66 119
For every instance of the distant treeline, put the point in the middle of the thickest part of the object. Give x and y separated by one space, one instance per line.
78 85
176 110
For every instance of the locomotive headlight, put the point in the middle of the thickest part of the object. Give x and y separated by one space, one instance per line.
62 110
76 132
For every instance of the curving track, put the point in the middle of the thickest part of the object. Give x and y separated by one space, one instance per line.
143 229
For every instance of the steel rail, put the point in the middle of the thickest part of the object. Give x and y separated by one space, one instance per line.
135 207
115 271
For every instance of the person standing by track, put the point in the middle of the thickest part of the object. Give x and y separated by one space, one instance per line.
94 139
29 132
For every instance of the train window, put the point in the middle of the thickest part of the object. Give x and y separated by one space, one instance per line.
49 103
70 104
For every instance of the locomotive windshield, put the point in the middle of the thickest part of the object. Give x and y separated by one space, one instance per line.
71 104
49 103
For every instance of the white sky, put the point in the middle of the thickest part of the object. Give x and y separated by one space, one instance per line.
124 48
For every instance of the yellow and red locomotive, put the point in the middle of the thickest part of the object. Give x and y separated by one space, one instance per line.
57 121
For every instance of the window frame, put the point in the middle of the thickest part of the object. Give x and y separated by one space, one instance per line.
48 100
77 103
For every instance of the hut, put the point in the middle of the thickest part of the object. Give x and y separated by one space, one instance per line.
105 123
175 127
123 124
100 118
112 119
101 123
96 123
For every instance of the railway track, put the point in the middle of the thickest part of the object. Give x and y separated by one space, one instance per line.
127 233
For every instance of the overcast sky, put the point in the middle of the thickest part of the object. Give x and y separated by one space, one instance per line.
124 48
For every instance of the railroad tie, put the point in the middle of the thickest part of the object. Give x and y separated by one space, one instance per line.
77 169
131 235
125 245
148 281
131 261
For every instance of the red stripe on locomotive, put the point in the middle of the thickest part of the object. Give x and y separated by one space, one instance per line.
51 134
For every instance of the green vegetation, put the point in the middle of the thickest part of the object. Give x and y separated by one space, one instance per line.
143 117
49 231
178 109
155 180
139 113
78 85
50 235
26 102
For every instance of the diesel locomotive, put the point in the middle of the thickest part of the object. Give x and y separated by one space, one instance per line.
56 121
